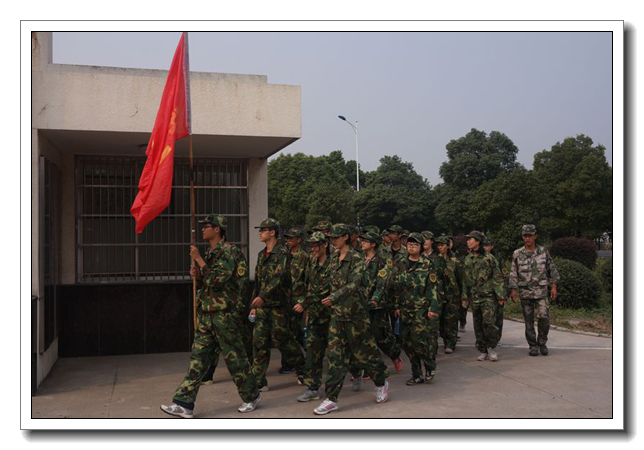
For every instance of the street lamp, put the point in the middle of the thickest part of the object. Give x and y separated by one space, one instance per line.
355 130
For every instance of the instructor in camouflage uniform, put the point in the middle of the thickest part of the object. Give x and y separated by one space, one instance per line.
483 286
531 273
218 327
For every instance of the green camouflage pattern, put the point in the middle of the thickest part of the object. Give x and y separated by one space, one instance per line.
318 319
272 278
216 285
347 291
417 329
531 274
501 308
451 308
298 266
217 333
215 220
269 223
483 287
351 343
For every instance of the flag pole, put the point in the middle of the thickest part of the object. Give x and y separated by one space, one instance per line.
193 230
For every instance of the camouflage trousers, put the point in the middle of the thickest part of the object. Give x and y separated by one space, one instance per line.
246 337
542 307
217 332
352 341
499 319
485 329
462 316
272 326
383 334
295 327
449 321
316 343
419 337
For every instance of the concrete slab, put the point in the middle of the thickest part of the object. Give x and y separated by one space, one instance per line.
574 381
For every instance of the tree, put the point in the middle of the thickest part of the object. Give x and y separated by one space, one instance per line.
396 194
579 183
331 200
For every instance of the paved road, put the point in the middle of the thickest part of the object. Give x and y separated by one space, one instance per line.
574 381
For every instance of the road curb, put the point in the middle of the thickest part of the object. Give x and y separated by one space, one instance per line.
568 330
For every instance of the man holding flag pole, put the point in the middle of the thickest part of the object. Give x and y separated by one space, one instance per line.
214 284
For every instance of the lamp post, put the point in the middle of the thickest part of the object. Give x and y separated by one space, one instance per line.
355 130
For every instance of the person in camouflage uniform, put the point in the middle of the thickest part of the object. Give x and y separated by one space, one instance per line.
386 240
241 308
438 265
218 327
317 316
398 256
323 226
298 263
270 300
488 245
376 281
349 333
453 291
531 272
483 287
416 301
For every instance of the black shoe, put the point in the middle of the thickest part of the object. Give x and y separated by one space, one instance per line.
300 380
413 381
286 369
543 349
534 351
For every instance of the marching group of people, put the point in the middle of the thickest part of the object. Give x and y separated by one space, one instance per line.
352 295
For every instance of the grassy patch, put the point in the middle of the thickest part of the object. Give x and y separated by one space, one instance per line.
598 320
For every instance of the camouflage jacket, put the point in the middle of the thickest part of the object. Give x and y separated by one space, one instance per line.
347 292
376 281
482 278
298 263
242 277
504 273
454 273
531 274
272 279
416 287
318 287
439 265
216 285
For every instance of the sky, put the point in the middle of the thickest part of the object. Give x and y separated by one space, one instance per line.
410 92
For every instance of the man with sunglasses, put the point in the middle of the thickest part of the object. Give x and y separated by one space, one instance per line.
531 272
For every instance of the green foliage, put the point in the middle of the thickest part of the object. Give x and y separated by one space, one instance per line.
333 202
576 249
578 286
396 193
604 271
579 183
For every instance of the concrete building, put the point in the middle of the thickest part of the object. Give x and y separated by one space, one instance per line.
98 288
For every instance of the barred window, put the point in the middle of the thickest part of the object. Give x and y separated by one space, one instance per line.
109 249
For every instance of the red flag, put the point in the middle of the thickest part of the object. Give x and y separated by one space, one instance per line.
172 123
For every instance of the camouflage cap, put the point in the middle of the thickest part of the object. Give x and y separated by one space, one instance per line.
216 221
442 239
529 229
322 225
339 229
488 241
405 233
316 238
416 237
395 229
385 232
476 235
294 232
269 223
373 228
353 230
427 234
371 236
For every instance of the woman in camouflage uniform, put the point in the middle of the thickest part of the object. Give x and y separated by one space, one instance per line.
416 300
349 333
453 289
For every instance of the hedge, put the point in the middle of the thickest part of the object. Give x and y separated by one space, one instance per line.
581 250
578 286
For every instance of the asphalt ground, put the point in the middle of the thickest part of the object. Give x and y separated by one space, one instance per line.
573 381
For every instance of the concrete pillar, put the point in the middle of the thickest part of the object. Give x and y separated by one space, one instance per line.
257 207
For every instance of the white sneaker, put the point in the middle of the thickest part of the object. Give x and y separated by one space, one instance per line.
382 393
326 407
492 354
249 407
176 410
482 357
308 396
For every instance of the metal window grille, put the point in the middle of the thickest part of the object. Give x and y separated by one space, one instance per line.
109 249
